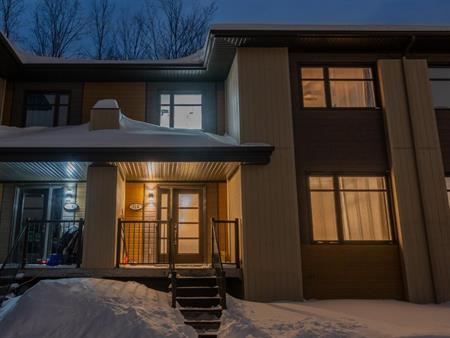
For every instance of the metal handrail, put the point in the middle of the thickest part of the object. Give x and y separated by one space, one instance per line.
216 261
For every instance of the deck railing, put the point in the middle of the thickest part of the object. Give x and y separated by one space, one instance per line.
143 242
227 233
49 242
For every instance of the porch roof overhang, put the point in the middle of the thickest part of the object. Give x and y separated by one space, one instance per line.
22 172
251 154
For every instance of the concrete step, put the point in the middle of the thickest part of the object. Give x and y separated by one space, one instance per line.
197 291
199 302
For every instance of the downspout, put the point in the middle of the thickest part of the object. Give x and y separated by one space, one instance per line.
408 107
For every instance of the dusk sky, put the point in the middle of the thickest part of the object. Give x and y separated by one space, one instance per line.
429 12
363 12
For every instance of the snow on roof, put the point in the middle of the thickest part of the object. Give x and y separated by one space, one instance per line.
30 58
132 133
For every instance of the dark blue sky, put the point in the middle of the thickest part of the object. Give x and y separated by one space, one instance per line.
426 12
429 12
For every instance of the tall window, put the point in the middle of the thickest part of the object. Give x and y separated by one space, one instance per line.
440 86
349 208
46 109
181 111
337 87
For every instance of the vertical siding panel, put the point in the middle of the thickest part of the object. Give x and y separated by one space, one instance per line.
272 265
405 178
431 173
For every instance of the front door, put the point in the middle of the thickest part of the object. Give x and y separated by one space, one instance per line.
185 207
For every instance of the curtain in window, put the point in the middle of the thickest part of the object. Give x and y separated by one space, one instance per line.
364 208
352 94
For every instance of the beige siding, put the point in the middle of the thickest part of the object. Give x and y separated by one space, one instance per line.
418 179
220 108
232 119
104 205
130 95
271 249
431 174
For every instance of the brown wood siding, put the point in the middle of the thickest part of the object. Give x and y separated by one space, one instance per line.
6 217
352 271
129 95
21 88
443 124
7 106
340 141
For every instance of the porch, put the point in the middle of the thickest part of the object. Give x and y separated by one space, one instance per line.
155 217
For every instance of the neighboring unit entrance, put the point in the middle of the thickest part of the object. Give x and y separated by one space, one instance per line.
185 207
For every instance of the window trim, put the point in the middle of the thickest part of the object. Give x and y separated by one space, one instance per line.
172 105
338 214
57 93
326 80
431 79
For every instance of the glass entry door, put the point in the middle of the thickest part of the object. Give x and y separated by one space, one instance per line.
185 208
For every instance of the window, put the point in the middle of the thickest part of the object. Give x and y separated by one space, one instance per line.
181 111
46 109
349 208
337 87
440 86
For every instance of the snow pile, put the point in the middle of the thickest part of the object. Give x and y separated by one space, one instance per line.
334 318
132 133
92 308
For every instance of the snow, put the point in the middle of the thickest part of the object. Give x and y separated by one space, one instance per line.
91 308
106 104
334 318
132 133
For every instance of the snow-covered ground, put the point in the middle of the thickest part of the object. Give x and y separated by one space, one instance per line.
334 318
91 308
100 308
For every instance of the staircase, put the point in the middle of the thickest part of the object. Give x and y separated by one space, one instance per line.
198 299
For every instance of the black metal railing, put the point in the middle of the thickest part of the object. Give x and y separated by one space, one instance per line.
216 261
52 242
227 232
144 242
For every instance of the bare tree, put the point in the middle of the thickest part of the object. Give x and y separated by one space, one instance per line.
57 25
10 13
130 39
174 31
101 17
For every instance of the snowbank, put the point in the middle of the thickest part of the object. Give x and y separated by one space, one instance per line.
92 308
334 318
132 133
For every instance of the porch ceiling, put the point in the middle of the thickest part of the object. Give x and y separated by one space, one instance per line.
133 171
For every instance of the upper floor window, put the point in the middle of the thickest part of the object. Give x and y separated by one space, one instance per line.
440 86
337 87
46 109
181 111
349 208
